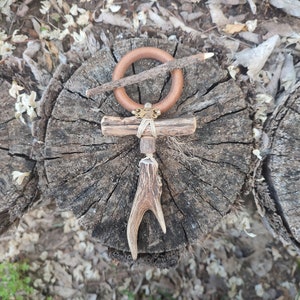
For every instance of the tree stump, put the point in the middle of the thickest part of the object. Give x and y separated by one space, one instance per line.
278 193
95 176
21 149
15 149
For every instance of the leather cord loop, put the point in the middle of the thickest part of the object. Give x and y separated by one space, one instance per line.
152 53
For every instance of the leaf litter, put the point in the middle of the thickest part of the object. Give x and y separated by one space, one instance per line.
260 45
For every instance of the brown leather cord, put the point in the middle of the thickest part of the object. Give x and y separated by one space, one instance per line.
152 53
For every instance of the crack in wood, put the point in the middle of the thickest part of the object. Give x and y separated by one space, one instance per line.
4 149
227 142
273 194
216 84
205 183
7 121
224 115
220 162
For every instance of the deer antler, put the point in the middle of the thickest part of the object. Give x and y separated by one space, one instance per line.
147 197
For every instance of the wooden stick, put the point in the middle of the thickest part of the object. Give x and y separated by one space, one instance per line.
117 126
152 73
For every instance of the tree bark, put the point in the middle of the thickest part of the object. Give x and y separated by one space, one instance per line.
95 176
278 193
21 149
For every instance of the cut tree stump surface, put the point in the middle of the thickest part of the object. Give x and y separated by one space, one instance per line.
15 150
279 192
21 149
96 176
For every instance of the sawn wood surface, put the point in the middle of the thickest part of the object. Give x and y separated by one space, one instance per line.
71 162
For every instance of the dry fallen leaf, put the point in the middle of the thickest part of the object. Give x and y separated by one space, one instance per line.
250 36
114 8
74 10
40 74
18 38
251 25
288 73
113 19
215 267
217 15
282 29
245 223
259 290
25 103
84 17
6 49
48 61
234 28
194 16
18 176
177 23
233 71
64 292
14 90
46 5
232 2
276 69
257 134
159 21
3 35
291 7
70 21
52 48
254 59
252 6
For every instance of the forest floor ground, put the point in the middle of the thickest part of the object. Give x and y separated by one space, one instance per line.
240 259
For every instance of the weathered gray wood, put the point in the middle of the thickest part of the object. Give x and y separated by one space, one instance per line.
279 193
15 148
95 176
20 150
116 126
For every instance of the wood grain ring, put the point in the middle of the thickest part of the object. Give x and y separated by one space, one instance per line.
152 53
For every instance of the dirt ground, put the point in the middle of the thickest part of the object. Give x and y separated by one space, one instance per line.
240 259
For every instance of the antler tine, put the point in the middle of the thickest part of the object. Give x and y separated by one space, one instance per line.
147 197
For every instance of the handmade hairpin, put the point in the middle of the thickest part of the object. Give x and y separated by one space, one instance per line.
145 125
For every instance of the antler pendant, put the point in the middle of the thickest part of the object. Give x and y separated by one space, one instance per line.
147 197
149 185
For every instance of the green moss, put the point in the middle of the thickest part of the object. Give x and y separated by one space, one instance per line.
14 280
129 294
